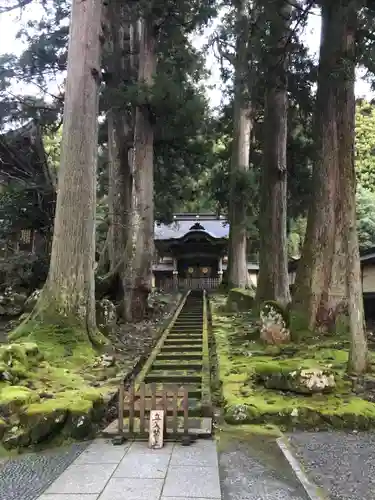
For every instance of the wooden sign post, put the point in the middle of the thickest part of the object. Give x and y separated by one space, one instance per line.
156 434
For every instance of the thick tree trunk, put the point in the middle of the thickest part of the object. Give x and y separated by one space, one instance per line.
315 266
329 271
358 358
140 284
273 282
120 143
237 253
68 295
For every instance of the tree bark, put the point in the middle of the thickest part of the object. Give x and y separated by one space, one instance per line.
120 143
68 294
237 252
329 270
273 281
358 356
314 269
139 283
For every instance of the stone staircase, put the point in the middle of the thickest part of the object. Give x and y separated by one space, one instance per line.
177 369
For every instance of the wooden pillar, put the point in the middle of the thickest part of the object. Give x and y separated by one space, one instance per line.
175 273
220 269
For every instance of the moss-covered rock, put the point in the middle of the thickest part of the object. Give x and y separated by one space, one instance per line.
274 330
245 373
3 426
16 437
43 426
12 398
300 380
240 299
269 305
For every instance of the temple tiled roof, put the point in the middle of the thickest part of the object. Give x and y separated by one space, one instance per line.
215 226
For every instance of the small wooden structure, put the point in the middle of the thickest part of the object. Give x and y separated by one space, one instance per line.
136 404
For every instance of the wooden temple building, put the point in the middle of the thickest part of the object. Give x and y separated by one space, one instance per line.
191 252
24 171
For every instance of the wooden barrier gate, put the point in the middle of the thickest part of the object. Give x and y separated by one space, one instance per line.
136 403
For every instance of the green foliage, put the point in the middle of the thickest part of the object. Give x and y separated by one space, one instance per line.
52 147
365 145
365 218
297 230
177 102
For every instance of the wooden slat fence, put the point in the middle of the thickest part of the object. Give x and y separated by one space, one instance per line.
135 405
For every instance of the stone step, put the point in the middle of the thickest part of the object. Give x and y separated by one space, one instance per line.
184 335
164 365
173 379
186 329
181 348
169 372
181 356
183 341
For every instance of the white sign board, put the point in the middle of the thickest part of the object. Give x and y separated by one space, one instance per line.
156 434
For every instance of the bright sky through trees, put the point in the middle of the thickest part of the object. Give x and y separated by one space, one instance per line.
12 22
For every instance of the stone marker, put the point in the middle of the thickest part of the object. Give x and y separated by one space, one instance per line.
155 439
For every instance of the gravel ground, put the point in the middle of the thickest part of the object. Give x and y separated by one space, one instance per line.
341 463
257 470
26 477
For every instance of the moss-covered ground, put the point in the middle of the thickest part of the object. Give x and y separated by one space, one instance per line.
55 385
241 357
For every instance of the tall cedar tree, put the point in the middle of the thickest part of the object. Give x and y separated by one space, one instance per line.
68 295
273 282
237 265
120 144
139 274
326 283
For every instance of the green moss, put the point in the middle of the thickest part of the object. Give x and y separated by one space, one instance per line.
243 291
247 432
240 299
61 403
17 395
56 341
247 402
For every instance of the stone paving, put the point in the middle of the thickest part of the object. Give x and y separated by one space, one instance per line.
27 476
134 472
342 463
253 470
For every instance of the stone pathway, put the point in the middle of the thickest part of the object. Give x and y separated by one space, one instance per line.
257 470
134 472
25 477
342 463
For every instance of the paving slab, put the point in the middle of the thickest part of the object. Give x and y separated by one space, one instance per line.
200 453
142 447
188 498
132 489
192 481
83 479
102 451
143 465
135 472
68 497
